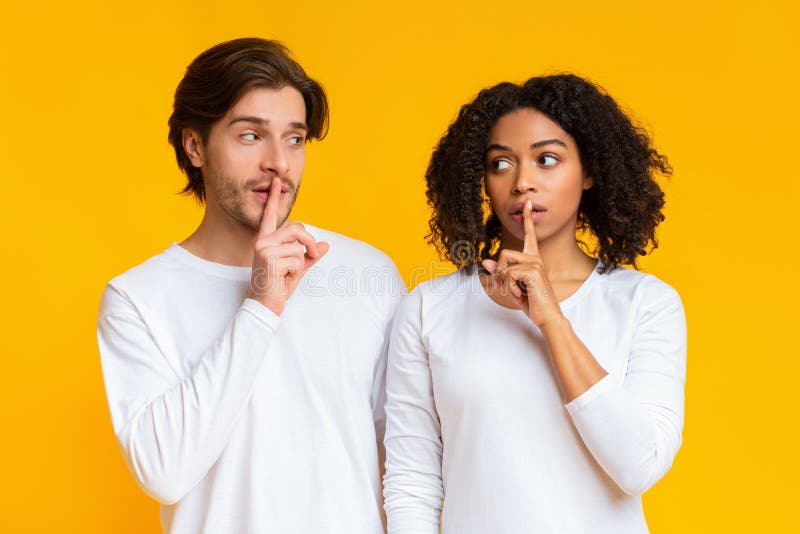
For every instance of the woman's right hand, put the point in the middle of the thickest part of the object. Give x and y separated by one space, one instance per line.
523 274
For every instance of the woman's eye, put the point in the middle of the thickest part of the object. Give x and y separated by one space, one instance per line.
250 137
296 140
500 164
548 160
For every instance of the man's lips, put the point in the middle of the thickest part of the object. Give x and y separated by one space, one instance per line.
262 192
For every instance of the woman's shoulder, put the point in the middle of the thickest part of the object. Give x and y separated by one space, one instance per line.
447 285
637 285
443 291
440 302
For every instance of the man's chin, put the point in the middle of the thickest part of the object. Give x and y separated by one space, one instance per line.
251 221
251 224
254 223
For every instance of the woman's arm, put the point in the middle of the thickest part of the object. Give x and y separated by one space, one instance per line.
632 427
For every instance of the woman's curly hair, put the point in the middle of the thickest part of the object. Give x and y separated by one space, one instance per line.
622 209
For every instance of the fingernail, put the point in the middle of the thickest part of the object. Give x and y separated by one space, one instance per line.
529 205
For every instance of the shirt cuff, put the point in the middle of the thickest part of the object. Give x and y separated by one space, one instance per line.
262 313
601 387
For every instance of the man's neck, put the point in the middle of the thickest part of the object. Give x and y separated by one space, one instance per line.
220 239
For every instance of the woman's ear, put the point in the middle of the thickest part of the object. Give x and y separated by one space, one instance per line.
587 182
193 146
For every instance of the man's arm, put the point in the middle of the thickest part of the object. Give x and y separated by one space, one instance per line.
172 429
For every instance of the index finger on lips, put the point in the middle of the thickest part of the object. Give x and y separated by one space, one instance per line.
530 246
269 219
290 233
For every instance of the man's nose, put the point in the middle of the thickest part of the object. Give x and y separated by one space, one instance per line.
274 158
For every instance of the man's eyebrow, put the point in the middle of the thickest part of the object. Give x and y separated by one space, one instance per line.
249 118
263 122
534 146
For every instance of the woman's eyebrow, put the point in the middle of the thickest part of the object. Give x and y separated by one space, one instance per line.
540 144
534 146
497 147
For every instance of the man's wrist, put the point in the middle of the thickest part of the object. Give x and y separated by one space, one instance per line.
274 307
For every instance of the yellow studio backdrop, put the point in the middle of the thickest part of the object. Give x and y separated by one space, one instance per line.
89 187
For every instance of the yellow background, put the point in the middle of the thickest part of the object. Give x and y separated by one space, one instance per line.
89 183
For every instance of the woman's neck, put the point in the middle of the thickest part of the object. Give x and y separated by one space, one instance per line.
563 259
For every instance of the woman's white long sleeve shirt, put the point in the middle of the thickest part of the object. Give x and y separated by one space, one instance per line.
475 417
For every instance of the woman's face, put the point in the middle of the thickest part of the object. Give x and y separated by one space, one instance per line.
529 157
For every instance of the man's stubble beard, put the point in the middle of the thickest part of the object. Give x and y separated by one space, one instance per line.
232 199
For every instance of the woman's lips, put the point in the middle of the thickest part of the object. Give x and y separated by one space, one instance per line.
537 216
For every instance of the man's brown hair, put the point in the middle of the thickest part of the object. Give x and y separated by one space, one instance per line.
220 76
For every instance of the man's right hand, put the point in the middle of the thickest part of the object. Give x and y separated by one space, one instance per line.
281 256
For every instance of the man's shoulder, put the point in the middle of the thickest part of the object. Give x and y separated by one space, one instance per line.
350 251
138 282
149 271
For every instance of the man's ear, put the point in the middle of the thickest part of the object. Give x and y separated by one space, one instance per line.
193 146
587 182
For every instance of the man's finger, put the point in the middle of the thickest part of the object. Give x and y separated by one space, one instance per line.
286 250
289 234
289 266
531 246
322 248
269 219
306 239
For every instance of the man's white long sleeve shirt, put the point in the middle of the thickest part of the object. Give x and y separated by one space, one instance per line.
240 421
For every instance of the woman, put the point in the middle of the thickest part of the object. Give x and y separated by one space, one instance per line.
538 389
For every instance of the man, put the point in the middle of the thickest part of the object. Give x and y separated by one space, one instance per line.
245 400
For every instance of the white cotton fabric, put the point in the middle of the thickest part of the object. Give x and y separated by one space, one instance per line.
475 416
239 421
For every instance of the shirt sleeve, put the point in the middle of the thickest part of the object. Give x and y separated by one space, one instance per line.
172 429
633 426
413 488
392 292
378 403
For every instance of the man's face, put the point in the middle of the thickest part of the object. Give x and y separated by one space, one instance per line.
262 136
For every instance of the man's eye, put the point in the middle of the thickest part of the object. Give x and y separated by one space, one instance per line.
500 164
547 160
250 137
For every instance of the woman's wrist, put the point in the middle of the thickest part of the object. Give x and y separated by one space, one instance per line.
556 326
